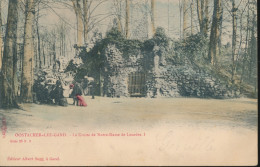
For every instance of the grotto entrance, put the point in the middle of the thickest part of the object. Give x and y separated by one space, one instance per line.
136 84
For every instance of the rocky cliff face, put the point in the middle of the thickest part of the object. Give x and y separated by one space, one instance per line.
163 79
117 70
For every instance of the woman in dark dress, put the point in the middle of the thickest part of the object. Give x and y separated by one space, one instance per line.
77 93
58 94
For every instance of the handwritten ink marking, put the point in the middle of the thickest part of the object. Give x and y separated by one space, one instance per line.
3 127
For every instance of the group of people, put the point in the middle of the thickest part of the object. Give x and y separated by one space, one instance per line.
54 93
76 94
43 92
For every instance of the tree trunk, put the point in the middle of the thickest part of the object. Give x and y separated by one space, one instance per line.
38 38
27 72
191 18
127 19
60 38
118 15
54 55
203 16
64 44
1 36
234 35
153 16
200 14
50 61
62 41
246 46
185 15
79 17
7 94
206 19
85 9
214 34
119 24
220 31
253 48
180 8
43 54
15 69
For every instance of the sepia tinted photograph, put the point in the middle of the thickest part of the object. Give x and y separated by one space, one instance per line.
128 83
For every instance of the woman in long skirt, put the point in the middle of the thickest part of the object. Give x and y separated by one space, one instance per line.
81 101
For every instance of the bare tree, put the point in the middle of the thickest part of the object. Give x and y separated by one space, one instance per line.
185 19
206 19
7 95
214 34
180 9
252 47
28 58
220 29
93 19
1 35
118 12
38 37
200 4
234 35
191 17
203 15
85 16
127 10
153 15
79 16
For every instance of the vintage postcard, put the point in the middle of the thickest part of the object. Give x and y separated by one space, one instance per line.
128 82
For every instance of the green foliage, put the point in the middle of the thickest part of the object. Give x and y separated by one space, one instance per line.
83 55
194 47
95 58
126 46
114 34
93 61
81 72
159 39
132 47
71 67
148 45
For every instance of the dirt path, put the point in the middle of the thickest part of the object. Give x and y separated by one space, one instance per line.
179 131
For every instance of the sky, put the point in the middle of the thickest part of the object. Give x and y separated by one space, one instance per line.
167 15
163 9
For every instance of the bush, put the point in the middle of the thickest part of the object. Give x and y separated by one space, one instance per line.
71 67
159 39
194 48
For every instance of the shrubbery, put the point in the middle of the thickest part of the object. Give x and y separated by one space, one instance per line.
93 60
194 47
159 39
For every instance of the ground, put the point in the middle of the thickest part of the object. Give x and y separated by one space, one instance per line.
166 131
